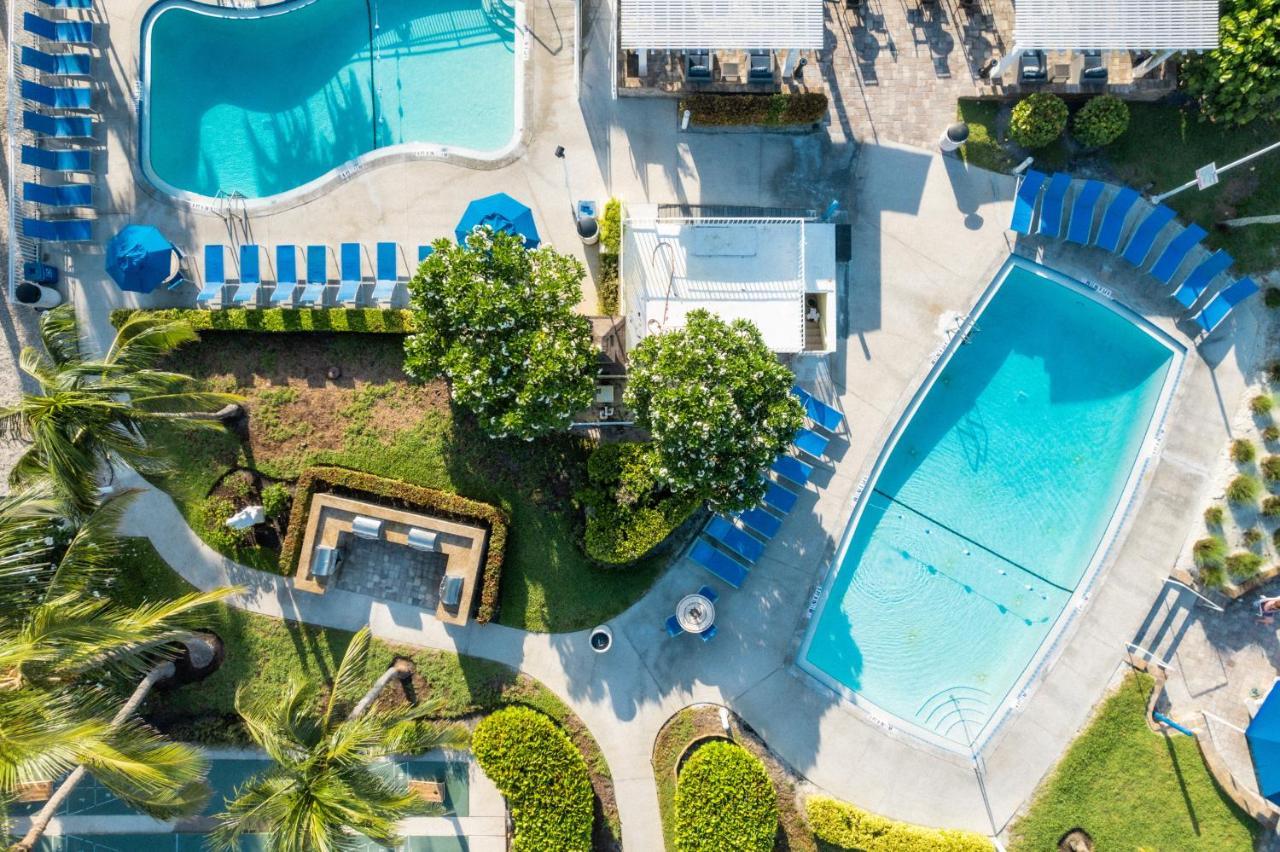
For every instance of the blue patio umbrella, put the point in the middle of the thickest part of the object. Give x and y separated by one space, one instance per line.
1263 735
500 212
140 259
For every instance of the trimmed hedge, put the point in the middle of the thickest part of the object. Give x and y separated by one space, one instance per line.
543 777
402 495
626 516
780 110
847 827
284 320
1038 119
1101 121
725 800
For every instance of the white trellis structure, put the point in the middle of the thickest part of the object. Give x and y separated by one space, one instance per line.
1163 27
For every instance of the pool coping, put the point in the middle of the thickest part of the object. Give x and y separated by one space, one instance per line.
1053 643
345 171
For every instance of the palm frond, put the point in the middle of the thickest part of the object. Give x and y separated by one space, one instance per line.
60 335
350 674
143 339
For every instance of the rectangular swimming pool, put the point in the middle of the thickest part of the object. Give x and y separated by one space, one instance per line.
991 505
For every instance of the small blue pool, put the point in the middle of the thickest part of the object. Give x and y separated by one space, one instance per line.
992 506
264 101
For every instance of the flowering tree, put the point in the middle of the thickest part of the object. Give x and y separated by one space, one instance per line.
498 323
718 405
1240 80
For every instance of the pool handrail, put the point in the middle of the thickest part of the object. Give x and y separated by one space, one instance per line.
1024 201
1144 237
1166 265
1212 314
1199 279
351 273
1114 216
1054 205
1083 211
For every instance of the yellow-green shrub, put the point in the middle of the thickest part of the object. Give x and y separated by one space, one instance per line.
847 827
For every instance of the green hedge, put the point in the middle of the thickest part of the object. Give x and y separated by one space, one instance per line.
363 320
778 110
543 777
846 827
611 227
1038 119
402 495
1101 121
725 800
627 515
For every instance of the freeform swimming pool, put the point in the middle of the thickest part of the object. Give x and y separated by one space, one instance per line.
991 506
264 101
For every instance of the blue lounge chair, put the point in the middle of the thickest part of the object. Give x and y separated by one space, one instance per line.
63 32
1083 210
673 626
819 412
62 64
718 563
723 531
1211 315
61 97
1112 227
57 161
250 274
66 195
811 443
215 274
317 276
58 126
708 634
793 469
1199 279
351 274
780 499
1024 201
425 252
384 284
68 4
286 274
760 522
1176 252
59 230
1145 236
1054 205
709 593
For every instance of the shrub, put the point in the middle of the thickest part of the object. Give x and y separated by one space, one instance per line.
1271 297
1271 507
629 512
1210 552
1038 119
776 110
213 519
1271 434
1240 80
607 286
1270 467
283 320
846 827
275 499
725 800
402 495
1273 372
611 227
1243 564
1242 451
1244 488
1213 516
1214 577
1101 121
1261 404
543 777
1251 537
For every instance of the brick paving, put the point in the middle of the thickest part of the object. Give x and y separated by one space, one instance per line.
388 571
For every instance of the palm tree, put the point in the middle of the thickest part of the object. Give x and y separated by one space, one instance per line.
89 412
330 781
66 648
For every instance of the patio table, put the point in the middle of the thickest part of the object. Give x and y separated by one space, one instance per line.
695 613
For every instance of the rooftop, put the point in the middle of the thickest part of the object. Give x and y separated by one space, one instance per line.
702 24
1116 24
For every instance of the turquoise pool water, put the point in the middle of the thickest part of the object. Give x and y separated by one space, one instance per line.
263 104
990 506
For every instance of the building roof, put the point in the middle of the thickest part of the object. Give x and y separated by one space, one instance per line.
1116 24
740 24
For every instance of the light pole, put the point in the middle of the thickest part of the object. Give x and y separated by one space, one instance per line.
1207 175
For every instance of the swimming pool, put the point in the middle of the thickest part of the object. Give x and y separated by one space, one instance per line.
267 101
991 506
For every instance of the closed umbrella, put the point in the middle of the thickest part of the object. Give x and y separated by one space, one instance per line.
140 259
500 212
1263 735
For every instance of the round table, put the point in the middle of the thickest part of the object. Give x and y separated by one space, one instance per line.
695 613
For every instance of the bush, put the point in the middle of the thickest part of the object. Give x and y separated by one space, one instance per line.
1252 537
213 520
628 512
275 499
725 800
1242 451
1271 507
1210 552
284 320
402 495
1261 404
1240 80
1271 434
1038 119
1243 564
1213 516
846 827
543 777
1270 467
1214 577
777 110
1244 488
607 286
1101 121
1271 297
611 227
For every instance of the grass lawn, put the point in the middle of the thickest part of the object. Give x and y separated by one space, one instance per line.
372 419
262 654
1162 148
1133 789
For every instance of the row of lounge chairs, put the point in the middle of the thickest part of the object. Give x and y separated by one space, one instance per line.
1205 268
314 283
731 544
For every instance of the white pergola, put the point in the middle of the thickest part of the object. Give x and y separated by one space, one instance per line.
1164 27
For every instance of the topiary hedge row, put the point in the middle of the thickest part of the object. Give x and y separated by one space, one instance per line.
778 110
283 320
543 777
846 827
402 495
1101 121
725 800
1038 119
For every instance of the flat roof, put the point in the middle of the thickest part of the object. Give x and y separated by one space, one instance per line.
1116 24
742 24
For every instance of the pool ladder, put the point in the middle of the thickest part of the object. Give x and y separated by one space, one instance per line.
233 211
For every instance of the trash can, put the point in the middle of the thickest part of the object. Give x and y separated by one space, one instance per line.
954 136
35 296
585 219
40 273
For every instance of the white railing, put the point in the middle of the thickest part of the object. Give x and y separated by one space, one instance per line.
1207 602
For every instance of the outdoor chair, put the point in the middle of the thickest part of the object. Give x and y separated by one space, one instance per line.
791 468
1083 211
718 563
215 274
1054 205
1117 212
57 161
59 126
779 499
1176 252
58 230
708 634
366 527
709 593
351 274
1032 67
64 195
425 252
250 275
68 4
62 64
722 530
1024 201
760 69
1211 315
1199 279
384 286
59 97
286 274
1145 236
811 443
760 522
673 626
697 65
426 540
61 32
1094 72
317 276
826 417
